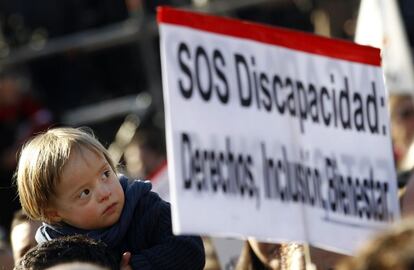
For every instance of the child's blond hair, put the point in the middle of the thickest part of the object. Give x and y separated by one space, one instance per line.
41 162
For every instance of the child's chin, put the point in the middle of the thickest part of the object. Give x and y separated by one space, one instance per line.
113 219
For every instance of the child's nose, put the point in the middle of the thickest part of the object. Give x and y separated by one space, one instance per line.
104 193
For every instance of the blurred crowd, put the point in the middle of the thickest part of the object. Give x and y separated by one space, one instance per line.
23 114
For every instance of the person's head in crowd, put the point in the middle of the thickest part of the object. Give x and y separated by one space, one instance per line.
392 249
6 256
68 249
77 266
10 88
146 152
59 160
406 196
259 255
402 124
22 235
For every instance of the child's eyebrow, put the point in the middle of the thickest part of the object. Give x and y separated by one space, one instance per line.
104 166
77 189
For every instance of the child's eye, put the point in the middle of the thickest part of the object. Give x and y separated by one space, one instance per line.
85 193
107 173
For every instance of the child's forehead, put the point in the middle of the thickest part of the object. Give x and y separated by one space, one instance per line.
85 152
83 160
80 148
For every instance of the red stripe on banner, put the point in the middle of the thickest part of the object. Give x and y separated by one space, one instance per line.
296 40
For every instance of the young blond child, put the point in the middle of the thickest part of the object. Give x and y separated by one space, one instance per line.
66 179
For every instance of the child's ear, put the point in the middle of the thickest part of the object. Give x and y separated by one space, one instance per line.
53 215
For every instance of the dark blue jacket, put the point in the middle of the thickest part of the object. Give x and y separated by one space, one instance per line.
144 229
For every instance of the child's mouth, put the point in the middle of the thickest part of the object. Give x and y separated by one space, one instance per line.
110 209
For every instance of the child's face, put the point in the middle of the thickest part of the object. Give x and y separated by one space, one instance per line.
89 194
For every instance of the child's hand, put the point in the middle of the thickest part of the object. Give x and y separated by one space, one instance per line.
125 261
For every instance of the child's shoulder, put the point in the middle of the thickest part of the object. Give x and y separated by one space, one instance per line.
135 184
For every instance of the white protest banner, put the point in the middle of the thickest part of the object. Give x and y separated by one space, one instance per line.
275 134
